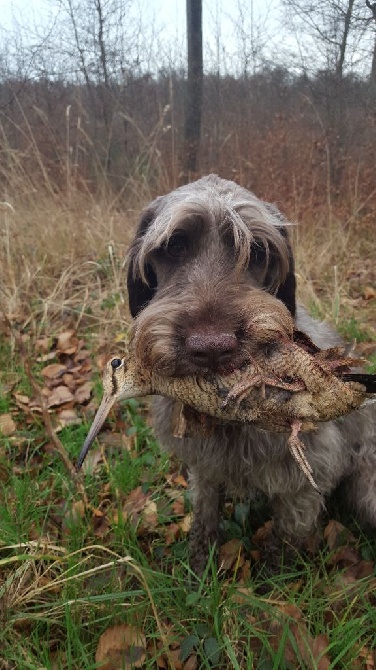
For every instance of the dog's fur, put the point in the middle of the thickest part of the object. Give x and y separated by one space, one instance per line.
199 256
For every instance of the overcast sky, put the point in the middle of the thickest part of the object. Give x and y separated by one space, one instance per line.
239 35
226 25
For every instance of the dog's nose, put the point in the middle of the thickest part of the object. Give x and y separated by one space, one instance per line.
211 349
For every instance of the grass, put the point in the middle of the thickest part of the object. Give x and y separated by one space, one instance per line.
66 576
68 573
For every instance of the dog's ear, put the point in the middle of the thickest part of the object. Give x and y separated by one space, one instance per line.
287 291
139 292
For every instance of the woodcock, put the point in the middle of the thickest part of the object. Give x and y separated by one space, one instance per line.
288 387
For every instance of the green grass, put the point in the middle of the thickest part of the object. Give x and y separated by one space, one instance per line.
351 330
65 579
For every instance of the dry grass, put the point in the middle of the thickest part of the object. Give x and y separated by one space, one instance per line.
63 238
64 264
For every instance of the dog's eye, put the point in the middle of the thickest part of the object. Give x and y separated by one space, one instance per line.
177 245
258 255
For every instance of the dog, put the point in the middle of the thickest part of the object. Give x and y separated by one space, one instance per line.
199 256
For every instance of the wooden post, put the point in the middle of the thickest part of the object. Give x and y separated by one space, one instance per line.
193 99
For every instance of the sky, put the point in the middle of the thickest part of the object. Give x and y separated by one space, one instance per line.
224 29
239 35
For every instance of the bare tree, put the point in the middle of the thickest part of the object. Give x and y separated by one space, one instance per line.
328 23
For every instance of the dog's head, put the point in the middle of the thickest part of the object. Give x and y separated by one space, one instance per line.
199 255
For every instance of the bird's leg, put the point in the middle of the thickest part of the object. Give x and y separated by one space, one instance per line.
297 450
259 378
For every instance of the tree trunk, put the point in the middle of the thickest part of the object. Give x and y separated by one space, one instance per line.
193 100
372 79
345 35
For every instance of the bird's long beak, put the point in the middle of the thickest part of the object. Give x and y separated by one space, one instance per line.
99 419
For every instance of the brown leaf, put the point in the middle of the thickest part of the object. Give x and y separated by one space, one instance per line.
179 480
307 648
242 594
191 663
67 417
360 570
149 515
369 293
43 344
121 646
53 371
59 396
134 504
291 611
263 532
94 457
178 506
320 644
336 535
67 343
78 510
101 526
185 525
46 357
346 556
230 554
175 657
83 392
21 399
171 533
7 425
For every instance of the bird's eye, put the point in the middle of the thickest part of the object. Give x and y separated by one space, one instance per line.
177 246
116 363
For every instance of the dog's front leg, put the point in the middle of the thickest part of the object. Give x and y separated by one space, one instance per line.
295 517
206 502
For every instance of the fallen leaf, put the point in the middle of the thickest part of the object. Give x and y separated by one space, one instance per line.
191 663
179 480
101 525
185 525
175 657
94 457
133 505
149 515
345 556
21 399
263 532
53 371
59 396
82 356
231 554
67 343
46 357
312 652
369 293
7 425
83 392
336 535
178 506
242 595
171 533
67 417
43 344
121 646
291 611
78 510
360 570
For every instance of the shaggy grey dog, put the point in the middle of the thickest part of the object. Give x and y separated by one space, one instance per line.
199 255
